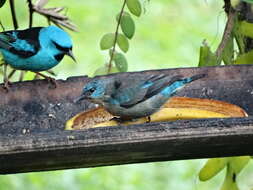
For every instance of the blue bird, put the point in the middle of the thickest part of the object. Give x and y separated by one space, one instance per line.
134 97
35 49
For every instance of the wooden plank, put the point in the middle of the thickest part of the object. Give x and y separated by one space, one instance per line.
121 145
32 118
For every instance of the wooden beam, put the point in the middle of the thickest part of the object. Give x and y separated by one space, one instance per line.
32 118
121 145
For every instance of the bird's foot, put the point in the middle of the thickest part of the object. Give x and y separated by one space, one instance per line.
52 81
148 119
117 120
122 120
49 79
6 85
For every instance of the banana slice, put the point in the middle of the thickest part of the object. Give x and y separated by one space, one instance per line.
176 108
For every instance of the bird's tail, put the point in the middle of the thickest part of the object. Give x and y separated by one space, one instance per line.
178 84
195 77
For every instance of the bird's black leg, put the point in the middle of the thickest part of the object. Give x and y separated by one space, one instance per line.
11 73
117 119
148 119
6 79
49 79
120 120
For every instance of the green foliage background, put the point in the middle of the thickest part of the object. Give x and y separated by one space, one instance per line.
168 35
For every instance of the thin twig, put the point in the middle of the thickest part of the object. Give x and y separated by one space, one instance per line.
30 6
116 36
13 14
2 26
227 32
11 73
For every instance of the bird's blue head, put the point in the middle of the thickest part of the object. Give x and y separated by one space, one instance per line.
94 91
57 40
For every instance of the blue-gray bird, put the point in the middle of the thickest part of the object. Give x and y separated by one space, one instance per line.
134 97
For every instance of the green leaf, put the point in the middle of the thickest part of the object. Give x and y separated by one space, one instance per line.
134 7
234 3
107 41
212 167
207 57
127 26
2 2
246 58
248 1
124 13
101 71
104 70
122 42
239 37
114 69
238 163
228 52
230 180
110 52
120 62
246 29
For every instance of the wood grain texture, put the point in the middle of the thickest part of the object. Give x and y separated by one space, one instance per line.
32 118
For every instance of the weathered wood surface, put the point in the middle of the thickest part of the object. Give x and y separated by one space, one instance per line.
32 118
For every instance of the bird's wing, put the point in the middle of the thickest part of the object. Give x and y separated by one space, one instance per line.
5 40
159 83
142 90
23 43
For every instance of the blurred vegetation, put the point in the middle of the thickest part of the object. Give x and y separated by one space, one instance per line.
168 35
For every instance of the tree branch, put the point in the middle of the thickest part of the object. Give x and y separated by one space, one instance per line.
13 14
116 37
30 6
227 32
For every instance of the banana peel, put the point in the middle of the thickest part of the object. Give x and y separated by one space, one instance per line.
175 109
87 119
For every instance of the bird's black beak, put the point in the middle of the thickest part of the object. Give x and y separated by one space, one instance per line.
81 97
70 54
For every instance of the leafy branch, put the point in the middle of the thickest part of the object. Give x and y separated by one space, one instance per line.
232 47
118 61
227 33
235 34
116 36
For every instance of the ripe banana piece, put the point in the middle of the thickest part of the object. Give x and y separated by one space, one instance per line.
175 109
178 108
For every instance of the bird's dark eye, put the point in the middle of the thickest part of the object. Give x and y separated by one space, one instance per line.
92 90
64 49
